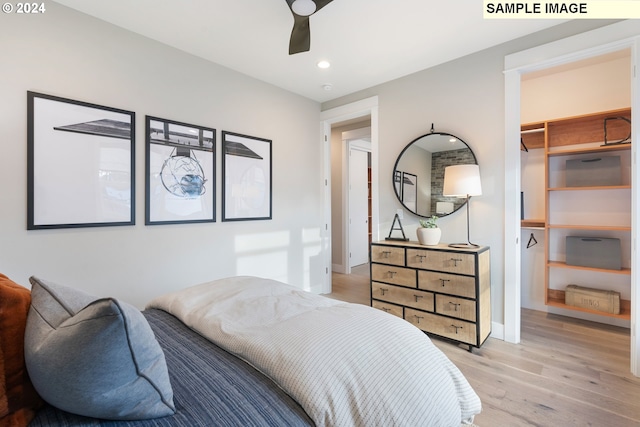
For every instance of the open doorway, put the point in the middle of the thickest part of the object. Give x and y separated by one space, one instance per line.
351 198
351 117
594 43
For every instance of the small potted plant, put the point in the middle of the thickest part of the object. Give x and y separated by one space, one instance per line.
428 232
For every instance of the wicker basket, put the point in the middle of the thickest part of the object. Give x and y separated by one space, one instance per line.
593 299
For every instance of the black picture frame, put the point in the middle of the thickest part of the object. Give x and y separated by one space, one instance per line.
80 164
246 177
180 181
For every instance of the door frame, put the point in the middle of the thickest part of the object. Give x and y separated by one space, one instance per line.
364 108
622 35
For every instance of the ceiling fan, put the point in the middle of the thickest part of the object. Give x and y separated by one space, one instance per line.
301 33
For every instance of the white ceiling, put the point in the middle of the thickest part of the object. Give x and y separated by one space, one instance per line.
368 42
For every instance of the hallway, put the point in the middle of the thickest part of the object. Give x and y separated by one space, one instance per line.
352 287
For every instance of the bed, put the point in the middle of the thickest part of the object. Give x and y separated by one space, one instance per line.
211 387
246 351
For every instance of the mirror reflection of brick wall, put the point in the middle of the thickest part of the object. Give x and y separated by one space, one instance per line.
439 161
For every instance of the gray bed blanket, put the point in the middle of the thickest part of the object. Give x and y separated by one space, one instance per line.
211 387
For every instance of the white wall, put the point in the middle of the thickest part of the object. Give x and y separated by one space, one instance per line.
68 54
597 84
464 97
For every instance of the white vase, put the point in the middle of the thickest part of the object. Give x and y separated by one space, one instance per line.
429 236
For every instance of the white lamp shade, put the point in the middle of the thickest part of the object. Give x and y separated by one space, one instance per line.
462 181
303 7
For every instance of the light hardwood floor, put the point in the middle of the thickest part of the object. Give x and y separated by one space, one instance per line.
565 372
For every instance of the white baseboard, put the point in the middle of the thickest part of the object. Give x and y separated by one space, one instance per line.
497 330
338 268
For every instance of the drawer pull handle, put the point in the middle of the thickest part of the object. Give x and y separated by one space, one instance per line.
418 296
383 290
456 328
418 318
456 261
392 273
386 254
455 305
444 281
422 257
386 309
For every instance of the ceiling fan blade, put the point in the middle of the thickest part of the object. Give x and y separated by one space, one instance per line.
321 3
300 35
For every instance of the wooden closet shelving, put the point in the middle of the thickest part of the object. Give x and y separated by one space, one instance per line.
570 138
532 223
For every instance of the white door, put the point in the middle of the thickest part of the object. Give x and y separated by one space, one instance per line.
358 206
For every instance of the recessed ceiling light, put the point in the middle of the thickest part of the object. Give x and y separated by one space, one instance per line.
327 86
323 64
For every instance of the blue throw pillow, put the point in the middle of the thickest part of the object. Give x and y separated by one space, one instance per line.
94 357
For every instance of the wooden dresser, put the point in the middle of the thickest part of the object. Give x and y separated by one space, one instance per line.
443 291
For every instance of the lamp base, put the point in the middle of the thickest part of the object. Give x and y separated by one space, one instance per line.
464 245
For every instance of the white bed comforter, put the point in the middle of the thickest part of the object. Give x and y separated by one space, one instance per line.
346 364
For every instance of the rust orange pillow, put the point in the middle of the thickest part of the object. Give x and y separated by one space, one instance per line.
18 398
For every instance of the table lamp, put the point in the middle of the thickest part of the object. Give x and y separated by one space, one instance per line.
462 181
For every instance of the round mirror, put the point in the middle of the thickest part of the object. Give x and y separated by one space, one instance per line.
418 175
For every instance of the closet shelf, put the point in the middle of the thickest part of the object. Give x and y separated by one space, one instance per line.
588 150
600 187
560 264
556 299
591 227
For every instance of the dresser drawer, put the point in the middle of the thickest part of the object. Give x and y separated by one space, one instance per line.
407 297
387 255
456 307
452 262
434 281
454 329
396 310
419 258
392 274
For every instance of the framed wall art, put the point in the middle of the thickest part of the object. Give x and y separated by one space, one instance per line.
246 175
181 176
80 164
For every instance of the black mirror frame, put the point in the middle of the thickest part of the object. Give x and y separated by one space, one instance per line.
395 169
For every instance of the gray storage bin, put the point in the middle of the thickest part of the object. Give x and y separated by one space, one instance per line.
594 252
599 171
